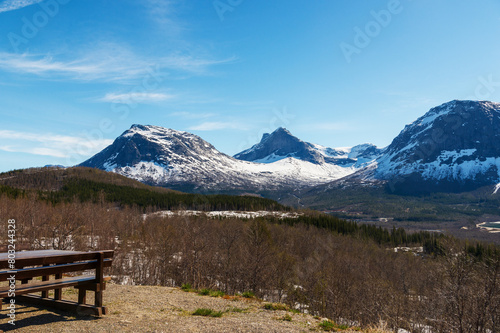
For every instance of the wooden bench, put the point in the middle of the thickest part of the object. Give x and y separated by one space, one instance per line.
31 265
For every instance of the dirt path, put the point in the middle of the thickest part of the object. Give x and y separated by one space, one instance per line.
162 309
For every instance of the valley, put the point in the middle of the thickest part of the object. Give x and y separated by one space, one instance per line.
435 175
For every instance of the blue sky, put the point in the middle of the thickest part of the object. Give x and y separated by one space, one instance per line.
75 74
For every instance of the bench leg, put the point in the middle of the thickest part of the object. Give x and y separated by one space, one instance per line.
82 296
99 275
98 298
45 294
58 292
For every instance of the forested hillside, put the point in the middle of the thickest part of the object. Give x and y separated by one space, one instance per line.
86 184
354 274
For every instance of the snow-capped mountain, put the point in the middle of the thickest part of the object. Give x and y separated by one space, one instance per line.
453 147
181 160
281 144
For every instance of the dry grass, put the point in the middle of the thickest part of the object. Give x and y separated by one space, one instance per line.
163 309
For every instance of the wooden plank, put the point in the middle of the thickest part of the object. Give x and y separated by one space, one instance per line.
38 254
48 285
95 286
48 257
27 273
80 309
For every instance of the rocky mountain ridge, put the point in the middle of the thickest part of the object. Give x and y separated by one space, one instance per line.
181 160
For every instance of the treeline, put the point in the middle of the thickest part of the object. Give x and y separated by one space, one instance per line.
87 190
84 190
395 237
53 178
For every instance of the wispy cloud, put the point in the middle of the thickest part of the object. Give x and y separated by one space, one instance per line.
110 63
130 98
9 5
190 115
50 144
34 151
215 125
163 12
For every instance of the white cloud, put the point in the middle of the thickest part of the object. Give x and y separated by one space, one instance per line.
215 125
130 98
34 151
50 144
9 5
110 62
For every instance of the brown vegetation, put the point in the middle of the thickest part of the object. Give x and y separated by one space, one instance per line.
351 280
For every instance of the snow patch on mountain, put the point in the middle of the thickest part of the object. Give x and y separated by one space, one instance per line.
462 171
272 158
146 172
342 152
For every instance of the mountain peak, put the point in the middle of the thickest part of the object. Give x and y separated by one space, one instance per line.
279 132
282 144
152 131
282 130
279 145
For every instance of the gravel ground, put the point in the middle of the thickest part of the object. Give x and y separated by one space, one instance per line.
160 309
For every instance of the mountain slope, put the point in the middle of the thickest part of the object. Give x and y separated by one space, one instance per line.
453 147
184 161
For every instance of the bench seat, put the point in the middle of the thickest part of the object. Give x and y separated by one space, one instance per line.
84 281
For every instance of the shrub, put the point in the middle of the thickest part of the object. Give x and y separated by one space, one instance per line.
186 287
207 313
327 325
248 294
217 293
276 307
204 292
238 310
